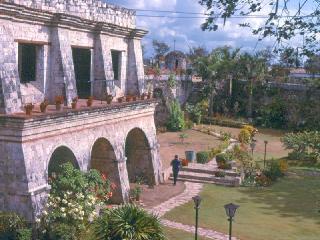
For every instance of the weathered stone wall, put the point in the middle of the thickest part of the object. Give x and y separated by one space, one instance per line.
94 10
55 35
26 146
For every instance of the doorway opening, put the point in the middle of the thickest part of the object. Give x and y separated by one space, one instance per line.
82 70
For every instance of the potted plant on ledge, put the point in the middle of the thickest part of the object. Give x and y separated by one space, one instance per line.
120 99
59 100
109 98
74 103
43 105
29 107
90 101
128 98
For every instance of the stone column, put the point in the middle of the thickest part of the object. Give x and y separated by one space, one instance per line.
63 68
10 95
124 179
135 78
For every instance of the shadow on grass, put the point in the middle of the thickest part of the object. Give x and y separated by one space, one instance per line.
295 196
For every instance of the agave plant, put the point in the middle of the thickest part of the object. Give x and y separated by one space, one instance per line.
128 222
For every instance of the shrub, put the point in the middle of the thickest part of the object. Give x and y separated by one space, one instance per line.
172 81
226 166
252 130
24 234
13 227
214 152
244 136
283 164
223 160
220 174
128 222
72 202
225 136
305 145
262 181
202 157
273 171
176 117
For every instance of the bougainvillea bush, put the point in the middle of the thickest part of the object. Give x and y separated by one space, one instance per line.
73 202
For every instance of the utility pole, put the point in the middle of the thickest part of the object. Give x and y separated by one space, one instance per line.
174 45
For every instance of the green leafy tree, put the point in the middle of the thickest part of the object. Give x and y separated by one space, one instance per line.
286 20
172 81
176 117
160 48
220 65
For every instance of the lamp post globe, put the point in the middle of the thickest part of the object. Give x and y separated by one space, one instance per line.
197 201
231 212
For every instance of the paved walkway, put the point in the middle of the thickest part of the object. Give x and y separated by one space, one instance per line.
192 189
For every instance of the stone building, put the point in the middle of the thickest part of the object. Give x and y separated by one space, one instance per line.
71 48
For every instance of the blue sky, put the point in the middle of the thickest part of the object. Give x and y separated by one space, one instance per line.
187 32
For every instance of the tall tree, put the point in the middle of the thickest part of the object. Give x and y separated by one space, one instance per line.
252 68
312 65
196 52
289 58
216 68
160 48
286 19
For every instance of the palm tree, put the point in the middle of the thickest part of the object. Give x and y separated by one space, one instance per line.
252 68
216 68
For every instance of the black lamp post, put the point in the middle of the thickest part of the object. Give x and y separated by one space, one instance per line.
252 146
265 153
197 201
230 211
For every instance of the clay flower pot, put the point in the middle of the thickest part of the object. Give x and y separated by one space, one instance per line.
28 108
143 97
89 101
58 106
128 98
134 98
74 105
109 99
43 106
120 100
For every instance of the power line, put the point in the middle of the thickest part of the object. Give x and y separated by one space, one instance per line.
217 16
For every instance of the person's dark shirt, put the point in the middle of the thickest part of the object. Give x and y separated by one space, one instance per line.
175 163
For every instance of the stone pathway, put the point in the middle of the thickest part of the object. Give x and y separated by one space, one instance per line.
192 189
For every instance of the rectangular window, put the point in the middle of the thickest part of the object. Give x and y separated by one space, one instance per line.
116 64
27 59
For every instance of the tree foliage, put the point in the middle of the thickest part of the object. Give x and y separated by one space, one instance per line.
286 20
176 117
160 48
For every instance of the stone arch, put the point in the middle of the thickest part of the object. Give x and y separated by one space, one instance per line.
139 156
61 155
103 159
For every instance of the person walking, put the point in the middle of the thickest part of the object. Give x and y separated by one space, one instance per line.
176 164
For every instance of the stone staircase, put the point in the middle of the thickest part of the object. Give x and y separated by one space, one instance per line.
205 173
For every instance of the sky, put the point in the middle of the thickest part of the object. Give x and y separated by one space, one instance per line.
187 33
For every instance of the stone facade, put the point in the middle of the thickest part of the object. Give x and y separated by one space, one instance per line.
55 27
118 139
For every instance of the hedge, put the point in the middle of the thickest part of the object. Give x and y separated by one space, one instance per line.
202 157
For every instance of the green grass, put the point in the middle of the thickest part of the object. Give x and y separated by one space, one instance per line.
174 234
286 211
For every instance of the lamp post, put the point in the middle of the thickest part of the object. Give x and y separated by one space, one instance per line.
197 200
230 211
252 146
265 153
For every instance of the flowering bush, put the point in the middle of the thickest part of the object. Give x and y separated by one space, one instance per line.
73 201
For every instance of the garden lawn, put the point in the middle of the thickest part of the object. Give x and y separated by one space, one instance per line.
174 234
288 210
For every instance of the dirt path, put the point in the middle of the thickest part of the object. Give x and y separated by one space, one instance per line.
171 145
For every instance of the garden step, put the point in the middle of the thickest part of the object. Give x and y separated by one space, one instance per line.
207 178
